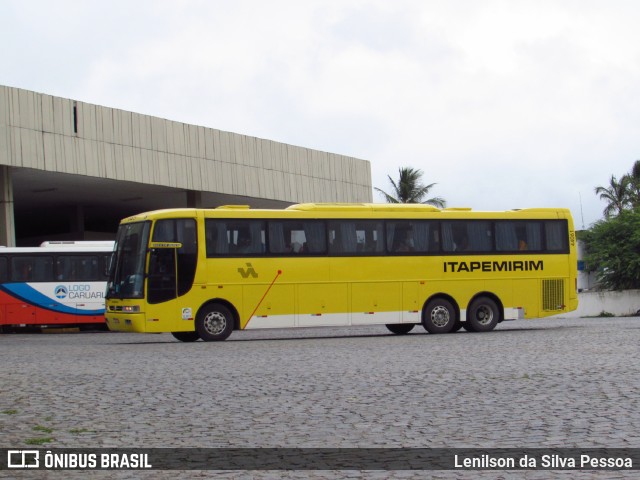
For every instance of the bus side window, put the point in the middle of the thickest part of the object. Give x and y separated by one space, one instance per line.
234 237
217 241
4 269
518 236
473 236
21 269
530 238
370 236
344 236
32 269
425 236
412 236
315 237
556 236
250 237
78 268
62 268
506 237
297 237
399 237
479 236
359 237
277 242
448 244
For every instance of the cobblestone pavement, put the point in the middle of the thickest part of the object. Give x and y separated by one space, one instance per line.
528 384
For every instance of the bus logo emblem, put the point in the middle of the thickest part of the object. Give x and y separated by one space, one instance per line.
248 272
61 291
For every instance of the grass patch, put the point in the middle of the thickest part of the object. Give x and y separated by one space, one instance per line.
602 314
9 412
38 441
40 428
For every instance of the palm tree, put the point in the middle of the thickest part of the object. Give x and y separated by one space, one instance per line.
616 195
633 186
409 189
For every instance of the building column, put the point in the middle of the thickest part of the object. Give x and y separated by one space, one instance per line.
77 223
194 199
7 219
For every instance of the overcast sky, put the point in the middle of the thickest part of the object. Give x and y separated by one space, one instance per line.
504 104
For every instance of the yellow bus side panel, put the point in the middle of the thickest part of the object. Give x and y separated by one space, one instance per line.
411 304
274 307
376 302
322 304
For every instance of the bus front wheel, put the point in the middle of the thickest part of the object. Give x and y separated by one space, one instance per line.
439 316
400 328
214 323
186 336
483 315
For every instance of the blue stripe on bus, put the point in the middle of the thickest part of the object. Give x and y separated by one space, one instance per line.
31 296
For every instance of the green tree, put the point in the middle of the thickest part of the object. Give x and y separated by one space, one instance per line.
613 251
410 189
616 195
633 185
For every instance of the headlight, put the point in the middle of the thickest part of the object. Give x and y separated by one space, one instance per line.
125 308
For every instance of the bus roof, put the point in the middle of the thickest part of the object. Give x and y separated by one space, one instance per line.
362 207
62 246
77 243
354 210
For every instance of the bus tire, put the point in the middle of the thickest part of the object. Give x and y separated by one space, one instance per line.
456 326
483 314
439 316
467 326
186 336
400 328
214 323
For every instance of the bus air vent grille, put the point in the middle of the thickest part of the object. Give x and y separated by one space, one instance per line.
552 294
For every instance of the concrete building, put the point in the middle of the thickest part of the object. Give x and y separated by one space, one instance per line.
72 170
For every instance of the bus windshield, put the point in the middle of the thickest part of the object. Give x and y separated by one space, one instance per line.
126 276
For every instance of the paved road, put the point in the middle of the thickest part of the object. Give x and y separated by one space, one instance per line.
528 384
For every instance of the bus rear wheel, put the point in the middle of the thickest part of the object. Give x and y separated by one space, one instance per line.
186 336
456 326
439 316
214 323
400 328
483 315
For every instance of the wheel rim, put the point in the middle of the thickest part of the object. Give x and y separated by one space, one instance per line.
440 316
215 323
484 315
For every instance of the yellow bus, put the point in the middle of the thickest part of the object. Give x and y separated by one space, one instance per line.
202 273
